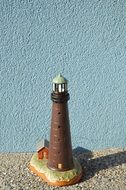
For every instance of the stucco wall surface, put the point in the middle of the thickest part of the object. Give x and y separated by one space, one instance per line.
86 42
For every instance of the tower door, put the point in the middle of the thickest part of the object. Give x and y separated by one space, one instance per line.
59 166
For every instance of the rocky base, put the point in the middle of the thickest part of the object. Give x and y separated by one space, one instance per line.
55 178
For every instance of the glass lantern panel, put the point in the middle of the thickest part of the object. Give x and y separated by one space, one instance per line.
65 85
56 87
60 88
53 87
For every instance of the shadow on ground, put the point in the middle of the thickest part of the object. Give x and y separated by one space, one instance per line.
92 165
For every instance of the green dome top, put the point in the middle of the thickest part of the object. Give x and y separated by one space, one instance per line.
59 79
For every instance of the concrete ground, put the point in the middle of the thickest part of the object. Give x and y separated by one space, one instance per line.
103 170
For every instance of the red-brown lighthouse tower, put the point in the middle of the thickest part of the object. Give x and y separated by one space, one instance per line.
60 148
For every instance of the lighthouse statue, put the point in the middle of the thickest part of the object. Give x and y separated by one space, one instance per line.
54 161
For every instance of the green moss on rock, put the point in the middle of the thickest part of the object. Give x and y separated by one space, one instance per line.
52 175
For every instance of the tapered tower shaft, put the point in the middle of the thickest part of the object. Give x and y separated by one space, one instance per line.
60 148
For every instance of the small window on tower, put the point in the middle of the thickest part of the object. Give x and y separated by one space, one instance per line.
56 140
59 166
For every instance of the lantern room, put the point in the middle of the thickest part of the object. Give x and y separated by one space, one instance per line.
59 84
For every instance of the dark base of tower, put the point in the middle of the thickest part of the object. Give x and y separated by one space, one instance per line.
57 178
60 170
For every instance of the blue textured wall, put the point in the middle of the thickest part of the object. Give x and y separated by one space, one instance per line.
86 42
